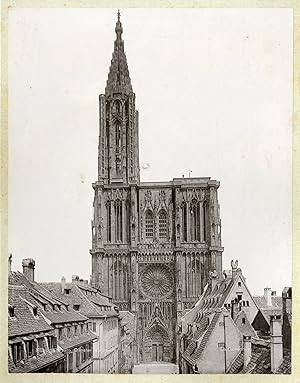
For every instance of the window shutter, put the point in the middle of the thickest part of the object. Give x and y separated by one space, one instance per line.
54 342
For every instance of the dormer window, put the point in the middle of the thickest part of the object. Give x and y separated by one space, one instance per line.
76 307
243 320
35 311
239 284
67 291
11 311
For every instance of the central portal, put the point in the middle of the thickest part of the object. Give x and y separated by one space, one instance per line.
157 345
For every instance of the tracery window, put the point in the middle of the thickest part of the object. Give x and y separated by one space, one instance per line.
162 224
195 220
108 221
118 220
149 224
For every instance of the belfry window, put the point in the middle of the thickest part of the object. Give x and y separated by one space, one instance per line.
195 220
149 224
162 224
118 220
108 221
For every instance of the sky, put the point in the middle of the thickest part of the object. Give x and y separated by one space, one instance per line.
214 94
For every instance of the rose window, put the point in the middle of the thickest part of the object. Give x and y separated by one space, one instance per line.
156 281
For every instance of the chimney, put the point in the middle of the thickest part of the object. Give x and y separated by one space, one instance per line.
75 278
63 284
28 268
276 342
273 293
247 349
267 295
9 263
235 308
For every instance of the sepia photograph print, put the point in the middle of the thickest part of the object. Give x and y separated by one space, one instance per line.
150 190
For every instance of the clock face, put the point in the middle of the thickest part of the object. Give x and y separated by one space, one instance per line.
156 281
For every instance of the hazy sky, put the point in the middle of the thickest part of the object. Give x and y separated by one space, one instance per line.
214 92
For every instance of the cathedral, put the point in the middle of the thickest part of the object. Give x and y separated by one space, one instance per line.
154 244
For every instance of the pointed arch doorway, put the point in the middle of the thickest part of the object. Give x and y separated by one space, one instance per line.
157 344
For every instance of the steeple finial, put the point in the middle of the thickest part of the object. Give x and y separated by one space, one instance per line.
119 29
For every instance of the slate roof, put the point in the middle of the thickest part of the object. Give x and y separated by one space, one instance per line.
56 311
24 322
35 363
92 303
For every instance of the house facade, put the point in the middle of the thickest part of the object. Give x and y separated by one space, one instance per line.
70 333
103 319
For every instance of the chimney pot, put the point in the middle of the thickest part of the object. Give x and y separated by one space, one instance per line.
63 284
267 295
276 342
247 349
28 268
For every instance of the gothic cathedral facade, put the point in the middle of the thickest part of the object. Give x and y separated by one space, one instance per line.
153 244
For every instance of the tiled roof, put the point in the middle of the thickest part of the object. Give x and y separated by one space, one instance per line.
39 295
24 322
195 349
75 341
237 364
211 302
35 363
244 328
260 361
285 367
262 303
267 312
211 298
91 302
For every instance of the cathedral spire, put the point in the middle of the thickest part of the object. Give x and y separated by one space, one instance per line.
118 77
